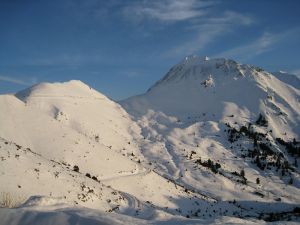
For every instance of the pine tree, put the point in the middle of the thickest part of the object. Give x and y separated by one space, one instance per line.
242 173
257 181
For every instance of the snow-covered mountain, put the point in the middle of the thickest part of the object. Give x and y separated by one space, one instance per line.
216 119
211 142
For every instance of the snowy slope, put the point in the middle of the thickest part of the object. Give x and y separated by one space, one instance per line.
63 214
69 129
173 155
75 105
50 129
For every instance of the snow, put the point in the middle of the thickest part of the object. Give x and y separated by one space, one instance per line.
85 216
70 155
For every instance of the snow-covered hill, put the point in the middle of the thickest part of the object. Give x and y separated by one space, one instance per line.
210 142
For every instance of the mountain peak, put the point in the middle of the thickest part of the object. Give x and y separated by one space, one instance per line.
196 86
72 88
195 67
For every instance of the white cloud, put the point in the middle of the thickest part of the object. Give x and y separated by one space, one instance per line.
167 10
262 44
16 81
201 17
208 30
257 47
204 36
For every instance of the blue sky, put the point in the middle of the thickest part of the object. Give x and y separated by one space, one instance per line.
122 47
